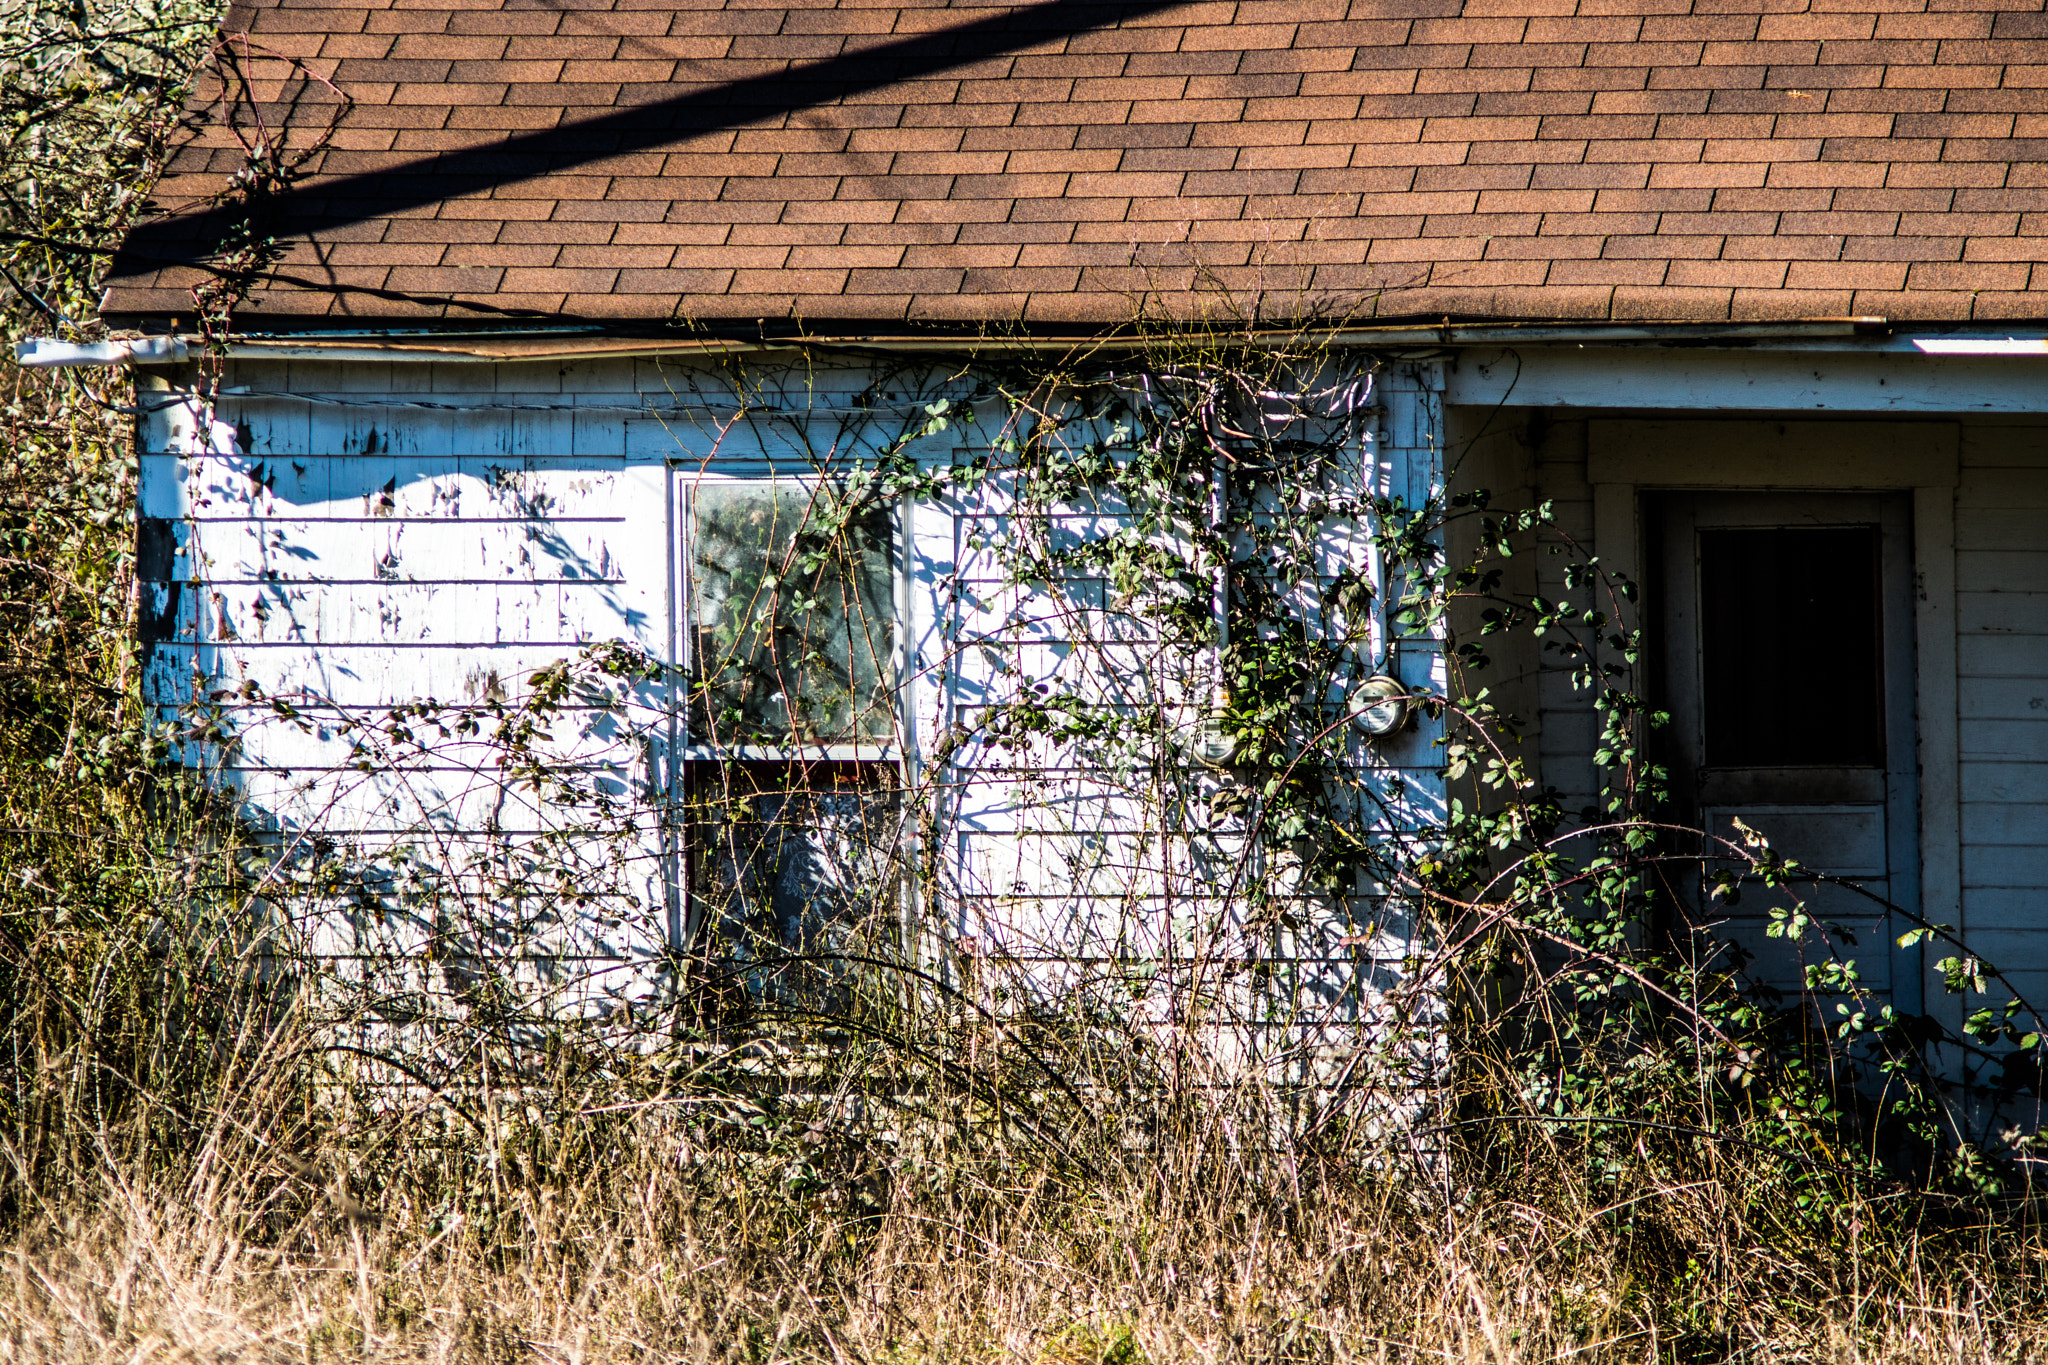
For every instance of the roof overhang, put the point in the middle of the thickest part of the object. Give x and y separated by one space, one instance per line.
570 344
579 343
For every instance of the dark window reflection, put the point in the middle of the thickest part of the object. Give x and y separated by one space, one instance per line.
793 605
1791 644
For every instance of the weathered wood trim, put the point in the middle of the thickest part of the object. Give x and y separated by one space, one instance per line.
1717 453
1617 529
1736 380
673 889
1409 456
1941 823
1618 544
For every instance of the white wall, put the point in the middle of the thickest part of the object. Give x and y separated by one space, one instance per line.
353 535
2002 696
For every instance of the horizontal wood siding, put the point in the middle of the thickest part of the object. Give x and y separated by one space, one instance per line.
349 537
2002 695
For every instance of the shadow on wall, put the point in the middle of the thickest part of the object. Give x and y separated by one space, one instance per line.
298 580
350 631
378 545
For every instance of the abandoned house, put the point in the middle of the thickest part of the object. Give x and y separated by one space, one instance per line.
551 318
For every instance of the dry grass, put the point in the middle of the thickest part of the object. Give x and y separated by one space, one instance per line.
594 1216
131 1277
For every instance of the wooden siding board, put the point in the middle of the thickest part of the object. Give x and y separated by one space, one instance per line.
2004 528
2000 613
2013 908
408 551
2025 740
2020 698
2004 865
2003 489
299 551
2007 823
2001 779
2002 571
365 676
2001 655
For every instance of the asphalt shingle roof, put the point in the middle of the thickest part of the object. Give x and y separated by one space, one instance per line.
1055 162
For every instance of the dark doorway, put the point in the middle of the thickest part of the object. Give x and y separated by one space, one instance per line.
1791 647
1785 659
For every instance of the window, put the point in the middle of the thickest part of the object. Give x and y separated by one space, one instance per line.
1791 647
792 787
792 616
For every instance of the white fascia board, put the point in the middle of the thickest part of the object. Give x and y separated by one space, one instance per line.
1981 345
48 353
1776 379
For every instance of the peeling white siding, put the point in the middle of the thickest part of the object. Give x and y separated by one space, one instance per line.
434 530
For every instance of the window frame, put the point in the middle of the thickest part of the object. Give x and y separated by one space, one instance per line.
695 768
686 479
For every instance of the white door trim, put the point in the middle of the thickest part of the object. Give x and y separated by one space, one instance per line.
1628 457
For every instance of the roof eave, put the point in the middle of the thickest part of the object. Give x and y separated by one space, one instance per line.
591 343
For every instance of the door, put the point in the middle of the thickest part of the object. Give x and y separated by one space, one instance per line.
1787 667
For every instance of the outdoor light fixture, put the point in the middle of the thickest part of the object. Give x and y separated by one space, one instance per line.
1380 705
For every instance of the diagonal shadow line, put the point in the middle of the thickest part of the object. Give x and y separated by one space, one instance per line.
190 238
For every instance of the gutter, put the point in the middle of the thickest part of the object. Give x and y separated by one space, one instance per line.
47 353
568 344
586 343
484 346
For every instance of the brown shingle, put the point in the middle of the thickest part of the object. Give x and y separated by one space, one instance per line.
2030 249
1598 175
1507 158
1728 274
1785 248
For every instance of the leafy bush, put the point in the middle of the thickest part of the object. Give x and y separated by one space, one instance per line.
215 1144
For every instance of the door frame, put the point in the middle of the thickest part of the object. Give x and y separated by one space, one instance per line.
1626 458
1674 523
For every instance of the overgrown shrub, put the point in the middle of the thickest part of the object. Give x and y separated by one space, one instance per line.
214 1144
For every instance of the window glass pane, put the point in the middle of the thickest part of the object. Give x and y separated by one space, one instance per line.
792 617
1791 648
789 864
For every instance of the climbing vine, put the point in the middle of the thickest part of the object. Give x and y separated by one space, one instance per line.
1207 756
